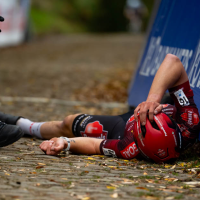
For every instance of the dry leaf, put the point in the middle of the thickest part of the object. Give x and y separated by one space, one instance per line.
150 197
39 167
168 198
115 195
112 167
41 164
110 187
89 158
32 172
149 180
173 167
142 188
85 198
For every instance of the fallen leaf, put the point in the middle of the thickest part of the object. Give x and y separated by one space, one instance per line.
168 198
115 195
142 188
181 164
171 179
112 167
173 167
41 164
174 187
151 197
163 187
39 167
85 198
32 172
110 187
89 158
149 180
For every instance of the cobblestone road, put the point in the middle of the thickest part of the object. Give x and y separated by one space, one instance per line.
26 173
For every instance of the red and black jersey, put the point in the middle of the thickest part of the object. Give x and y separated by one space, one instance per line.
185 113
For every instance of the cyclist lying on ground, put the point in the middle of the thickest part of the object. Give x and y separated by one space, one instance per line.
149 131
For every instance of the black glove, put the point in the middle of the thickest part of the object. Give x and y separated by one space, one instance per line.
1 20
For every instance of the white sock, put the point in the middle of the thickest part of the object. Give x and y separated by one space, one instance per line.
29 127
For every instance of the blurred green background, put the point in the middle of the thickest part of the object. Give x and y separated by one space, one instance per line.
75 16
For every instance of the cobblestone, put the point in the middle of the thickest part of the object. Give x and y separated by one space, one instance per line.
26 173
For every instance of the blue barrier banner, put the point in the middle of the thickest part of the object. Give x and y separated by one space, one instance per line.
176 30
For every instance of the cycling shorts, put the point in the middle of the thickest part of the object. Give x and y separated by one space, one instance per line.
100 126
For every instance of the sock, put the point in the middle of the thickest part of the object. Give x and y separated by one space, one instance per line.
29 127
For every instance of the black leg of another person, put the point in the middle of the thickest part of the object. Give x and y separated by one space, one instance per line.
9 133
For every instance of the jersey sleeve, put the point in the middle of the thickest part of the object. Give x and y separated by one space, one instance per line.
187 115
125 148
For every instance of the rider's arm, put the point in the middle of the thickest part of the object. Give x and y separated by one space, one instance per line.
124 148
79 145
170 74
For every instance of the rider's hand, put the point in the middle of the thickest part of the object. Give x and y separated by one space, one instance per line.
152 108
53 146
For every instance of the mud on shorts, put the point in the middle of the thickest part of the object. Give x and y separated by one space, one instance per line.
100 126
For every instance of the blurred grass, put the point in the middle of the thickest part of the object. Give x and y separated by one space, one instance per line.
46 20
75 16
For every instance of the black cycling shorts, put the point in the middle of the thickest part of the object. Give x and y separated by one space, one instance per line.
100 126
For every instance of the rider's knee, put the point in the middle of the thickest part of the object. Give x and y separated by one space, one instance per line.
68 121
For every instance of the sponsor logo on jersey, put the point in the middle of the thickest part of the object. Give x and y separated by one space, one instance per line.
85 120
78 120
109 152
161 153
130 127
186 133
130 151
94 129
190 117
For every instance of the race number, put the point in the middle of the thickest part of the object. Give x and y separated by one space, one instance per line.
182 99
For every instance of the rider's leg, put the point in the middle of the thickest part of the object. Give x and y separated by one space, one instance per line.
52 129
44 130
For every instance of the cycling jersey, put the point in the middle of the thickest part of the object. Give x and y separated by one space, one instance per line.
184 112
